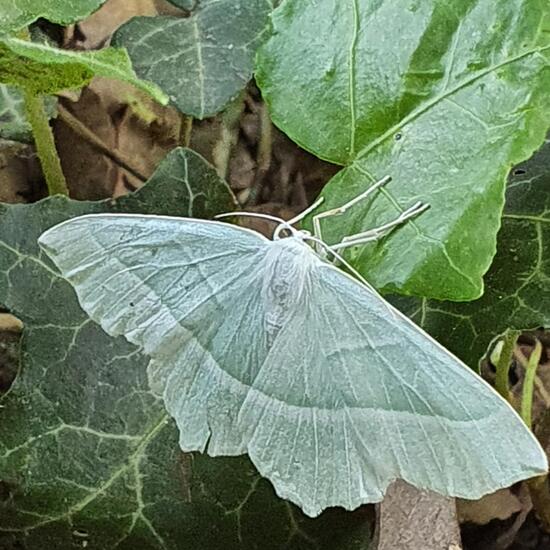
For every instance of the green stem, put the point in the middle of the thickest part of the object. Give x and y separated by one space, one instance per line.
186 129
45 144
528 384
504 363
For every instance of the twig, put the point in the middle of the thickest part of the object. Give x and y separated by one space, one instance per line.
504 363
263 154
529 382
186 129
45 143
83 131
544 395
229 135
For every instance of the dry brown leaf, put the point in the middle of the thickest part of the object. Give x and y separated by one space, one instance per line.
90 175
9 322
20 175
97 29
263 226
125 122
499 505
145 133
10 333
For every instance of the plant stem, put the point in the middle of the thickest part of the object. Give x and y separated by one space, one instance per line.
45 144
186 129
504 363
264 153
529 382
228 136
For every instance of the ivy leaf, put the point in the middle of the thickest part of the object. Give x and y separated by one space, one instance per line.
44 69
442 97
201 61
17 14
517 293
13 121
88 457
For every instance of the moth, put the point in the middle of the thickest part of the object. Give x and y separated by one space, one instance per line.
266 347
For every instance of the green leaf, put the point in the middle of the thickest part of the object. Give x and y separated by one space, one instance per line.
517 290
46 70
13 122
17 14
88 456
444 97
201 61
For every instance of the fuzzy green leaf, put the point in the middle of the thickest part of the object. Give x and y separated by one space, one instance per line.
517 289
444 97
16 14
201 61
88 456
46 70
13 121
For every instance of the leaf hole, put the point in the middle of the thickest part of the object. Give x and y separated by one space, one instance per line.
6 491
80 537
519 172
165 7
11 329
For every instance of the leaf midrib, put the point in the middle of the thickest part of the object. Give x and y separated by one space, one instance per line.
413 115
352 77
132 462
81 57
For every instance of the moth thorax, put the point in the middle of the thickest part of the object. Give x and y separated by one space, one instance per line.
286 273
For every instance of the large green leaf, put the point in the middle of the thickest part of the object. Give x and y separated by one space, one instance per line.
443 96
16 14
13 121
88 457
201 61
47 70
517 287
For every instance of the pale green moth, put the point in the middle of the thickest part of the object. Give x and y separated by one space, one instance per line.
264 347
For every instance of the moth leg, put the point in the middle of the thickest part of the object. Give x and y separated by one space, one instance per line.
341 209
381 231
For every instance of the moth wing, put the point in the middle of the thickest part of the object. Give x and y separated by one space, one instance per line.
353 395
349 396
188 292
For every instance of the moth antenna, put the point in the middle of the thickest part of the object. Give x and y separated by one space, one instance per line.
281 223
305 212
